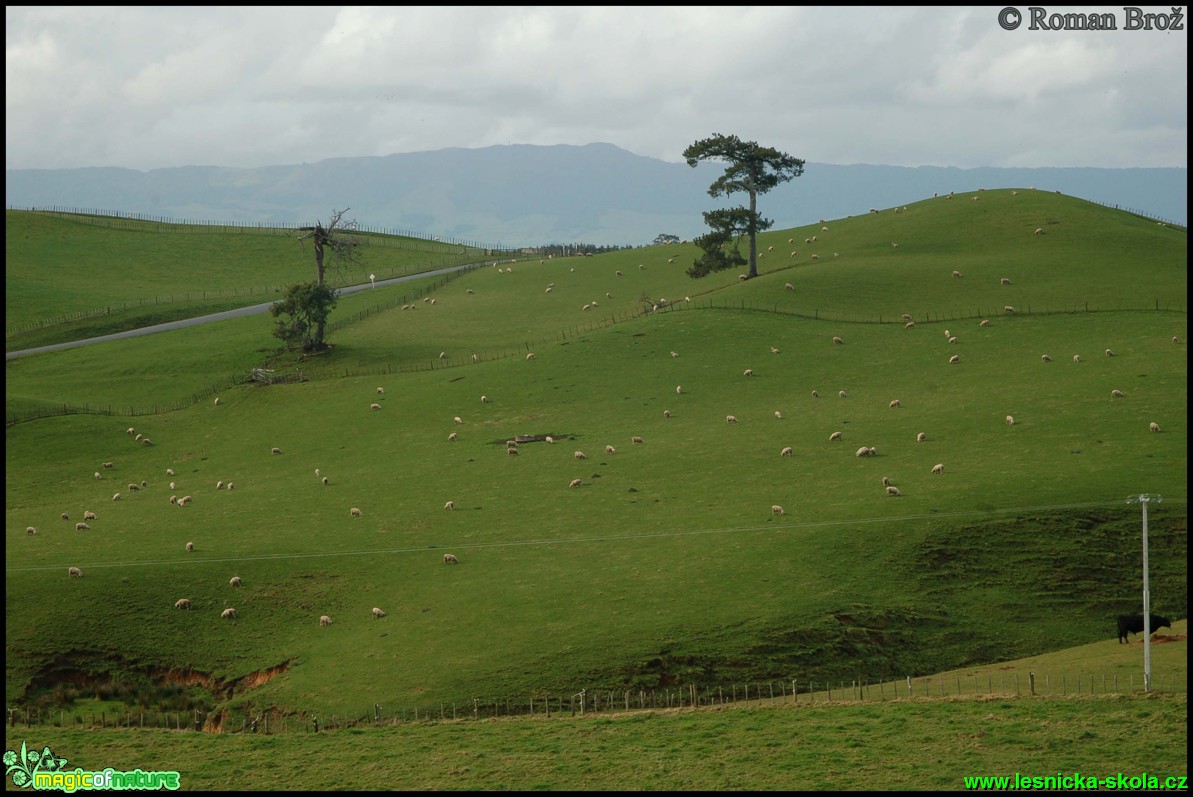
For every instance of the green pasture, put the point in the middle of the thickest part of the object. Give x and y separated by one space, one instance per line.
667 565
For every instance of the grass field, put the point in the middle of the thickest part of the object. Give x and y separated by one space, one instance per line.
666 567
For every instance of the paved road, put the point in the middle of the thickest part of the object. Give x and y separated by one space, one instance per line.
207 319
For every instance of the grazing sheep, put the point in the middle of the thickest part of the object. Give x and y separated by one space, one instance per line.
81 527
635 440
317 473
217 401
108 465
325 481
275 450
184 500
610 450
530 356
169 471
116 497
774 350
938 468
815 394
374 406
748 372
65 516
921 437
449 506
678 389
956 273
1109 353
862 452
956 358
231 486
355 512
666 413
985 322
1010 420
234 581
837 340
549 439
146 441
730 419
948 334
835 436
580 455
1005 281
788 286
173 499
674 354
1076 358
182 603
131 430
1155 427
450 559
892 489
190 547
909 325
1039 230
324 620
842 394
952 339
1045 358
451 436
98 476
777 510
457 419
886 481
144 483
1117 394
173 486
484 399
381 391
786 452
30 530
74 572
574 483
228 614
443 355
219 485
815 257
1176 340
779 415
139 437
895 403
1008 309
89 515
132 488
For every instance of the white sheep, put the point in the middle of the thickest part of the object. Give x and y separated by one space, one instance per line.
89 515
377 613
325 481
909 325
774 350
1109 353
1039 231
355 512
1076 358
74 572
948 334
906 316
786 452
484 399
116 497
610 450
1008 309
635 440
450 559
892 489
217 401
1045 358
173 499
678 389
956 273
674 354
666 413
956 358
30 529
218 485
65 516
381 391
81 527
580 455
952 339
895 403
886 481
778 415
549 439
457 419
146 441
530 356
1005 281
190 547
748 372
837 340
862 452
938 468
235 581
730 419
921 437
324 620
173 486
275 450
231 486
1010 420
184 500
374 406
835 436
131 430
788 286
451 436
169 471
1117 394
777 510
228 614
842 394
985 322
99 476
1176 340
815 394
139 437
1155 427
182 603
132 487
108 465
574 483
443 355
449 506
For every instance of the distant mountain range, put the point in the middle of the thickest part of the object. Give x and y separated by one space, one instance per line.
524 195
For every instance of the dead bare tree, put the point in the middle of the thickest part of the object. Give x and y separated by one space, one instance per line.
335 247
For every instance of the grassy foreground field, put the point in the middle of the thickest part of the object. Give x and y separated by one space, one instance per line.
667 566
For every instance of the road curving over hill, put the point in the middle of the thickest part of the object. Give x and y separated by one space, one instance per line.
222 316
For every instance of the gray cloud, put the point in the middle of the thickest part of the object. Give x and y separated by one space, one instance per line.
173 86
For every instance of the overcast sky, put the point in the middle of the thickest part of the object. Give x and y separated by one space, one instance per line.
151 87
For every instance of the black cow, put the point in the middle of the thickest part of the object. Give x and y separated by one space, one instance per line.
1133 624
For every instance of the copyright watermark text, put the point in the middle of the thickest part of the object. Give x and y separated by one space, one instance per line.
1131 18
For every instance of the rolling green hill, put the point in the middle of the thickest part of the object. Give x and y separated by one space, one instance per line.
666 566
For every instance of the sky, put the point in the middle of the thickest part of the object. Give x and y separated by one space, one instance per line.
153 87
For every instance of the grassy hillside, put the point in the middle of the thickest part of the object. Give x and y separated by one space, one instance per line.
666 566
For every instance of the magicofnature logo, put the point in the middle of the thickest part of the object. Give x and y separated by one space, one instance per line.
45 771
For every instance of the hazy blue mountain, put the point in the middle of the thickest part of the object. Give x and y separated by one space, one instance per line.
521 195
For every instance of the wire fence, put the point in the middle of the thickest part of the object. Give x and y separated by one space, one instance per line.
794 691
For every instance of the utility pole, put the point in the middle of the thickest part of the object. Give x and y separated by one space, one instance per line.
1143 499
